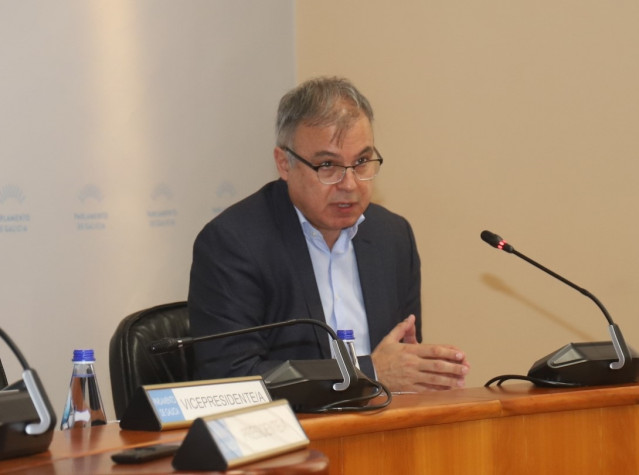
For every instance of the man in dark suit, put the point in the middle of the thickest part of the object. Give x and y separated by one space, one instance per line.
311 245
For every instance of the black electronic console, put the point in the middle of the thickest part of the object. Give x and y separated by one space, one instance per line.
577 364
27 419
310 384
584 364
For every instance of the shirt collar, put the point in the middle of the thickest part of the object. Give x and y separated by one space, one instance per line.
346 235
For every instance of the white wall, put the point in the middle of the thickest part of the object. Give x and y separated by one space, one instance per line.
124 127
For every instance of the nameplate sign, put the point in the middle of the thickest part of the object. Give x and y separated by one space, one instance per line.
231 439
171 406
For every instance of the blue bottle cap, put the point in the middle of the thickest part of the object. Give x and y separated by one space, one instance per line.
345 334
84 356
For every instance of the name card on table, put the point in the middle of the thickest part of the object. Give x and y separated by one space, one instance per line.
159 407
227 440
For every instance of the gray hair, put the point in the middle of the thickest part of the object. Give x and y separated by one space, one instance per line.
320 102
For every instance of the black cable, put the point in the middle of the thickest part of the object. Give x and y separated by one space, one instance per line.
539 382
15 349
339 406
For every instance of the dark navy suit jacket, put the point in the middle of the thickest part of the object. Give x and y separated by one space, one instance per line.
251 266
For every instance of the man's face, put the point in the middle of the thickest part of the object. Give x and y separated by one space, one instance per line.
329 208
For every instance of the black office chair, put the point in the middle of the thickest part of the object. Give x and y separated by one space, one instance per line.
130 363
3 377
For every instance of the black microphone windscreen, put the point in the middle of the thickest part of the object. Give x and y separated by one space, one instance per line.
490 238
164 345
496 241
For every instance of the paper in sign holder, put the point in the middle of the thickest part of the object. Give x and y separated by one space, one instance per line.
224 441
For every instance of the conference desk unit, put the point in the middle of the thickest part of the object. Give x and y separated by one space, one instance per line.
513 429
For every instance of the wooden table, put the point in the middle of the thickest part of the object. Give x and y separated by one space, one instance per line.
515 429
88 452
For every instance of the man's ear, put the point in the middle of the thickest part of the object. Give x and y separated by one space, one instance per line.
281 162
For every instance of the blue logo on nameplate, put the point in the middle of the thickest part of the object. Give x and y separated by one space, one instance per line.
166 405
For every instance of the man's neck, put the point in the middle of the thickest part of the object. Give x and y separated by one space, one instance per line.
330 237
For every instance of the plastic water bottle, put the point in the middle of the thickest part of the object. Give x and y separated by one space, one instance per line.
348 338
84 406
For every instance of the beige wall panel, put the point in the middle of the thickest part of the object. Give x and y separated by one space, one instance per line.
517 117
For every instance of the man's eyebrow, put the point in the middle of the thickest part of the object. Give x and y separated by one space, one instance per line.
333 155
325 154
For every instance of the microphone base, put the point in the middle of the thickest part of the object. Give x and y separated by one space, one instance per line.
308 385
16 412
585 364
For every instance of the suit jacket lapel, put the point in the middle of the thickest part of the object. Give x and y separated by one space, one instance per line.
371 273
295 244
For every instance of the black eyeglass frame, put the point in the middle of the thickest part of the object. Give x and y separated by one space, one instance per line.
316 168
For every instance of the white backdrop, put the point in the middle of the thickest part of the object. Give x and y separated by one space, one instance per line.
124 127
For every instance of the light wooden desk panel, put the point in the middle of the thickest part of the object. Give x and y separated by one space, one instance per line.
519 429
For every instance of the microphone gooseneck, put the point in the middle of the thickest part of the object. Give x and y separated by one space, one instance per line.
499 243
345 364
166 345
618 342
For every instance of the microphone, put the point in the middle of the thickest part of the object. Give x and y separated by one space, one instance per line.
27 419
577 364
308 385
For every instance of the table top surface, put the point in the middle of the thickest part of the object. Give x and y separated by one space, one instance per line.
406 410
457 405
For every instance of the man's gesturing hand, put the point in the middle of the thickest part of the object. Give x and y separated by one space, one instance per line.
403 364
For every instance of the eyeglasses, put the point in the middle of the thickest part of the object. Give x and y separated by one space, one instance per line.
329 173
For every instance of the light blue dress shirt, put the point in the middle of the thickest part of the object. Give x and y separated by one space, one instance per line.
338 282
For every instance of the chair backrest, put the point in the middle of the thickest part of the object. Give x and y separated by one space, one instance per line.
3 377
130 363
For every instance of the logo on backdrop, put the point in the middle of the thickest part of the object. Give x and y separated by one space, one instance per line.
225 193
90 193
13 219
162 214
92 217
11 192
